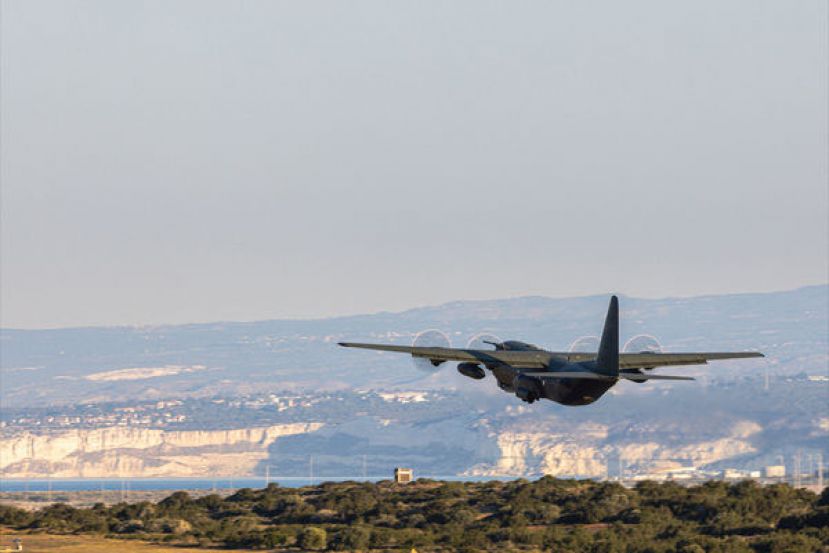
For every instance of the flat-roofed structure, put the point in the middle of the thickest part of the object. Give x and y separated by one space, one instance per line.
403 476
775 471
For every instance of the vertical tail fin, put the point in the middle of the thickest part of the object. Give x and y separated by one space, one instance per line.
607 361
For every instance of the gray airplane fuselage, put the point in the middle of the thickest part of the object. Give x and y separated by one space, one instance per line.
564 391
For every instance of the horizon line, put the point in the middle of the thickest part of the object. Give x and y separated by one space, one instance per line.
407 310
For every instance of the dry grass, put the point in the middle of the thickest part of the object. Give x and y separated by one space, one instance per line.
89 544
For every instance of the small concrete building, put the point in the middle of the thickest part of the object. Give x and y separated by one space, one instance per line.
403 476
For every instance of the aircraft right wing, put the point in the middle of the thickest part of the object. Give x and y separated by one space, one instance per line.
647 360
651 360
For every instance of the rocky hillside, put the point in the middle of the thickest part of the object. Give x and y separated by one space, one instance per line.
636 429
129 452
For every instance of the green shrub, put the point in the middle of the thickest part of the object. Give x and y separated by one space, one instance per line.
312 537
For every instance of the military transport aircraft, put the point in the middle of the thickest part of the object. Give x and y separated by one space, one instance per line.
569 378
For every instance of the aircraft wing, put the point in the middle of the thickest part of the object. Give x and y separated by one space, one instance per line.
534 359
651 360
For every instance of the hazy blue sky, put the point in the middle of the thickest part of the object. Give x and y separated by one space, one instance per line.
187 161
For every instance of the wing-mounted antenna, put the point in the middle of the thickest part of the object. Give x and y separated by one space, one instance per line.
483 340
607 361
497 345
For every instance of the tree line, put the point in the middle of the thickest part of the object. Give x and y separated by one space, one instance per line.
549 513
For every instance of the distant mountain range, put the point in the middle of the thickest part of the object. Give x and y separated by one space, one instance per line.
290 381
48 367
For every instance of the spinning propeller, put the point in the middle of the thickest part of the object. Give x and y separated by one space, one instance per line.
483 340
585 344
642 343
431 338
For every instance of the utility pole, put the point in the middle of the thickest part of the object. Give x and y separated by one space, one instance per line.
820 472
811 473
267 475
311 469
797 470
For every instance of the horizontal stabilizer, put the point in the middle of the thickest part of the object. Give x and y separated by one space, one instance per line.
640 377
575 375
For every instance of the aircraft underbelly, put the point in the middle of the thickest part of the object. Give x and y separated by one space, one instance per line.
565 392
575 392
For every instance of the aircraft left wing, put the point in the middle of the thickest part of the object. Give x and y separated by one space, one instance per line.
651 360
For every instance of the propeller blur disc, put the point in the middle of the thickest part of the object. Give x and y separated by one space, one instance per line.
585 344
431 338
479 341
642 343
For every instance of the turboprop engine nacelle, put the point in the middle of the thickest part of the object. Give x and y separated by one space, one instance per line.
471 370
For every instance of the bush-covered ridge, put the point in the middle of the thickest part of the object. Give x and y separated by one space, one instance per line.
562 515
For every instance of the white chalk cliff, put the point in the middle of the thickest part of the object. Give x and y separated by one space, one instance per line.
124 452
584 451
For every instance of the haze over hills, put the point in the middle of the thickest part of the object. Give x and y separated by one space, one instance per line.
43 367
161 400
